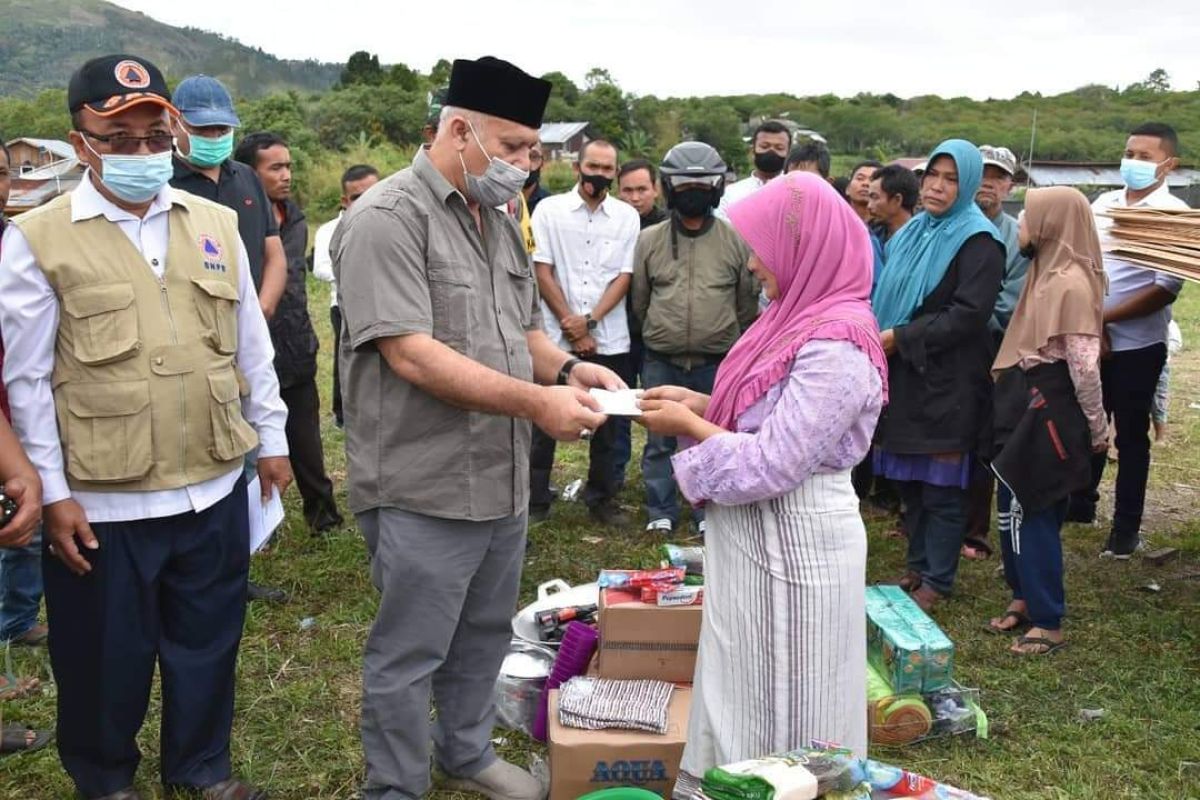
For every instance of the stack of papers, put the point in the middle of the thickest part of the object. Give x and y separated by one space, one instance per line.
264 516
1166 240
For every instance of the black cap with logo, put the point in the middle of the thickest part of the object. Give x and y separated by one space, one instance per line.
109 85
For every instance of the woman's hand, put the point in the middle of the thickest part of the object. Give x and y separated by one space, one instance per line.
669 418
696 402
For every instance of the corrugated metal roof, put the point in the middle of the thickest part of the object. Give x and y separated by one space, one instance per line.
560 132
57 147
31 194
58 168
1067 174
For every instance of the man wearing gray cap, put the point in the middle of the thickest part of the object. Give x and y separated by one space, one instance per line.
442 352
999 169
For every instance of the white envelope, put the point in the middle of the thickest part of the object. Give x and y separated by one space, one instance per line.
621 403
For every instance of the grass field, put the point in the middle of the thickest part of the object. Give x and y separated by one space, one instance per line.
1134 654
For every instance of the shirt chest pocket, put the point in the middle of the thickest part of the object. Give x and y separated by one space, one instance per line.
450 304
103 323
522 292
217 306
608 264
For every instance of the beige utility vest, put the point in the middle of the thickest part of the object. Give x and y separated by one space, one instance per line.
145 387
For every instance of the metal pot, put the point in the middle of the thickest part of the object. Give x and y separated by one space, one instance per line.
552 594
520 683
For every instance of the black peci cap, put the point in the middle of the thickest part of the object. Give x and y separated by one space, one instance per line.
111 84
495 87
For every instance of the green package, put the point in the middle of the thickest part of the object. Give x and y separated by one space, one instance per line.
904 645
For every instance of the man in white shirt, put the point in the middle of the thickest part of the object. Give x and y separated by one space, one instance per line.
355 182
1137 313
584 264
131 320
769 148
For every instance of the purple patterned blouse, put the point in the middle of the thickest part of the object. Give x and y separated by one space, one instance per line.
819 420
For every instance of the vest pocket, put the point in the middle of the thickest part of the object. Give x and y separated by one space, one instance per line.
216 303
233 437
103 322
108 431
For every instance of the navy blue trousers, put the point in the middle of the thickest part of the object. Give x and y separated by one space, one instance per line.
1033 559
170 591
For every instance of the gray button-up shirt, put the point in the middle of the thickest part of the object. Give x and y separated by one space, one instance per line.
408 258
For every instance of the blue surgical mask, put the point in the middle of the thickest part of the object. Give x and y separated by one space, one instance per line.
1138 174
134 179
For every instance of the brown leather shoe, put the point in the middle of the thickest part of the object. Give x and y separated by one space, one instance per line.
232 789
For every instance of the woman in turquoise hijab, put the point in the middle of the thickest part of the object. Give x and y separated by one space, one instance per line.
933 303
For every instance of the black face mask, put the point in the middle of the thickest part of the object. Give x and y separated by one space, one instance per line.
534 177
599 183
1029 251
692 203
768 163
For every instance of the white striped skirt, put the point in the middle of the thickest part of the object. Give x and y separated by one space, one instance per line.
783 646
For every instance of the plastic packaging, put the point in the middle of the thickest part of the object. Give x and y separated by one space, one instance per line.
637 578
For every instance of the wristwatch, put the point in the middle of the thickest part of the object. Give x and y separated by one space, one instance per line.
591 323
564 374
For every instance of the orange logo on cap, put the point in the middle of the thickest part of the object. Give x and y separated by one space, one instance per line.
132 75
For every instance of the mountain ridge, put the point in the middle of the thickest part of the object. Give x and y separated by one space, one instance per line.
43 42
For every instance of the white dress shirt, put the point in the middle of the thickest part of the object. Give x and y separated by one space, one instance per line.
588 250
737 191
29 321
1126 279
323 260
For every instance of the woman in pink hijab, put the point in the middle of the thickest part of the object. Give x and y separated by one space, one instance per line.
783 647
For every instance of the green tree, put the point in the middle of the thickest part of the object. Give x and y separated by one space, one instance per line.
605 108
563 87
384 113
406 78
720 126
362 68
439 76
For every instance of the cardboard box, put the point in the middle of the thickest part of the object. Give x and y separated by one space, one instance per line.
643 641
587 761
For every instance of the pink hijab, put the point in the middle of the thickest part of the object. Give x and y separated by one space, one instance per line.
820 253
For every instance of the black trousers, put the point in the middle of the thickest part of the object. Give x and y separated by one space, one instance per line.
170 590
602 484
308 455
335 319
1129 378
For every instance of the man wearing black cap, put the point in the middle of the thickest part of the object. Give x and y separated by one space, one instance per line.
127 307
441 347
204 166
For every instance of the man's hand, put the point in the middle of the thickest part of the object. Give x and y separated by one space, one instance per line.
888 340
566 412
585 346
65 522
574 327
27 494
696 402
274 471
586 375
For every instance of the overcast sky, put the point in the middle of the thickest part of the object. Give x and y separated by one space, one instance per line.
700 47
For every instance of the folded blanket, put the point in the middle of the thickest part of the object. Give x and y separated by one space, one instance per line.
597 703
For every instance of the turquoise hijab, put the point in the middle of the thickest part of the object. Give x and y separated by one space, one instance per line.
920 252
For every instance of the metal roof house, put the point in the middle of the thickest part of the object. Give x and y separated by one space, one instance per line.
28 153
562 140
37 186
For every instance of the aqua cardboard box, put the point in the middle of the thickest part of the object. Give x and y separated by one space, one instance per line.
583 761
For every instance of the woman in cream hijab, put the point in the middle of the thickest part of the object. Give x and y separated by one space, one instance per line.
1049 411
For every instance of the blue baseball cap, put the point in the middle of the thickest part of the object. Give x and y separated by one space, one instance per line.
204 101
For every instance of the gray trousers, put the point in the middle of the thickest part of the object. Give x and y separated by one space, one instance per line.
448 592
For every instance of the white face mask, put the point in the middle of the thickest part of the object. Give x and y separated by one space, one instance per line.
498 184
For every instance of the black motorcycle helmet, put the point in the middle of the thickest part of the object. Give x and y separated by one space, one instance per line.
692 162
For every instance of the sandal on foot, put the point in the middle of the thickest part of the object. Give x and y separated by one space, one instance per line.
1050 646
1021 623
16 738
976 550
14 688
